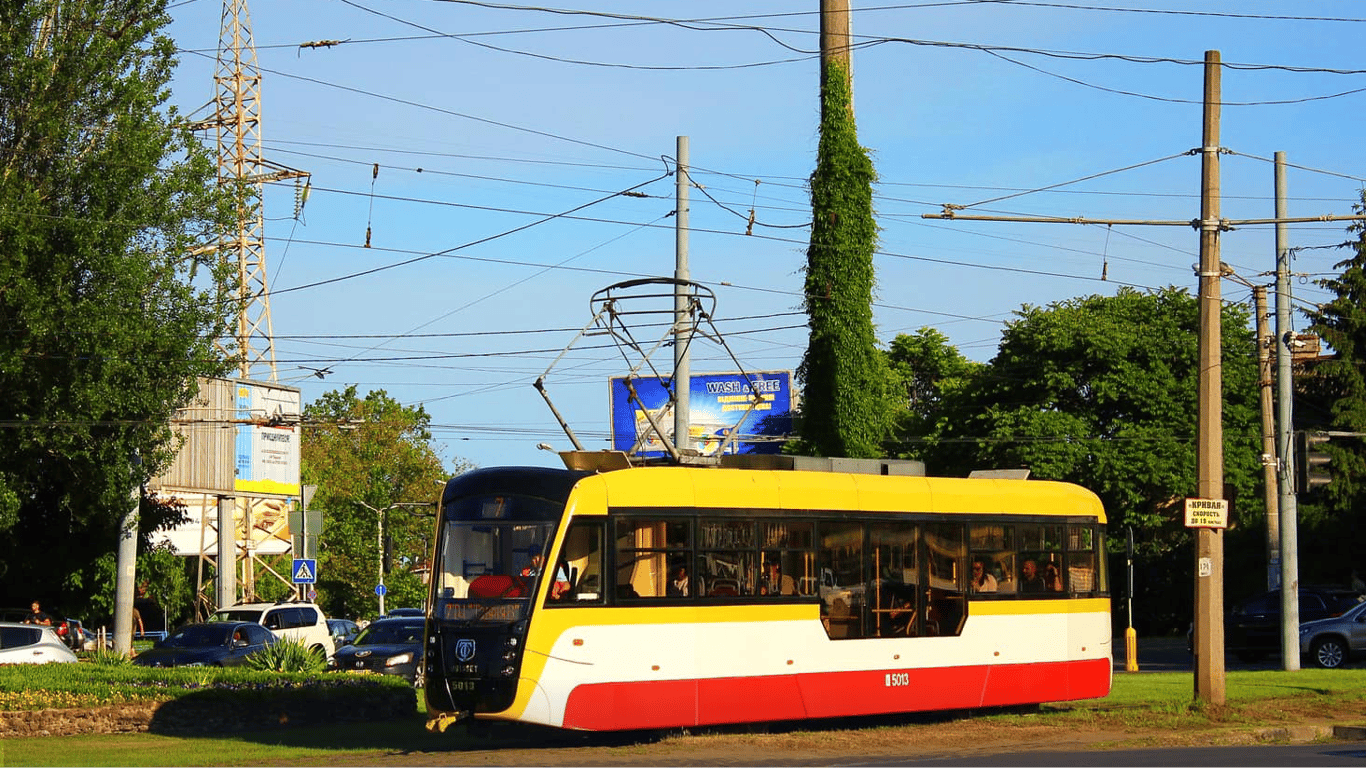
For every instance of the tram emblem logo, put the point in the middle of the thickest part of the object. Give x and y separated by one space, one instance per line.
464 649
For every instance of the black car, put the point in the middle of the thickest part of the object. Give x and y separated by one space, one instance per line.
386 646
210 644
1252 629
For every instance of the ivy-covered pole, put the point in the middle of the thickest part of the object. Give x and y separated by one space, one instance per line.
845 409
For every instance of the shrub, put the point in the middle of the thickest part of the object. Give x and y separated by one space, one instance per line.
288 655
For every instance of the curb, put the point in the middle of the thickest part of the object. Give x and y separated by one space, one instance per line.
1310 733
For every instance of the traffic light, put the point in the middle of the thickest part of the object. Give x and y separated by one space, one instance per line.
1311 463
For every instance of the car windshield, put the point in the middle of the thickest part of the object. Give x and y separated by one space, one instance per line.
197 636
384 633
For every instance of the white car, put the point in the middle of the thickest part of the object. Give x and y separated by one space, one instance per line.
31 644
303 622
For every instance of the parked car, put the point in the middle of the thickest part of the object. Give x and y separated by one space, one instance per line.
71 632
387 646
343 631
31 644
304 622
1332 642
210 644
1252 629
90 641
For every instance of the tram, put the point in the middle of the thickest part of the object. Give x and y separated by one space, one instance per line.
674 596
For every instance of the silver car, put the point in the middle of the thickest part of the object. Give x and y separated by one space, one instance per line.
1330 643
31 644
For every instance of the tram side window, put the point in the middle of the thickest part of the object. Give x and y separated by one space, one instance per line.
896 579
649 552
1081 559
842 589
581 562
993 560
946 553
1041 561
787 560
725 559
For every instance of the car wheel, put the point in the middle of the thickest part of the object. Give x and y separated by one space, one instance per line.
1328 653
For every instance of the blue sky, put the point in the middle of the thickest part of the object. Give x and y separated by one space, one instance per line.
488 120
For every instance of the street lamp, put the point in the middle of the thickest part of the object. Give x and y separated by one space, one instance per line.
379 539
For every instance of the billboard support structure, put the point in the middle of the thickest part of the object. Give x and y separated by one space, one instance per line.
240 456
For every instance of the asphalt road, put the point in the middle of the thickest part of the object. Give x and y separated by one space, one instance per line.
1169 654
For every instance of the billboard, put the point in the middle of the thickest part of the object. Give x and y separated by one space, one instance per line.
237 437
264 521
717 404
267 445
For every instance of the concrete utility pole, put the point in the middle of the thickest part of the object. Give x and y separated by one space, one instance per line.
126 571
1285 394
682 308
1209 546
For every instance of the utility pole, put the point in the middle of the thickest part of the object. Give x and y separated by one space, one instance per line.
126 569
1265 380
682 304
1209 546
1285 395
835 39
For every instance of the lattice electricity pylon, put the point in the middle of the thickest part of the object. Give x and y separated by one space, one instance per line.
614 308
237 124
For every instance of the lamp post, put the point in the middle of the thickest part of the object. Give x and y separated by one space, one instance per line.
379 541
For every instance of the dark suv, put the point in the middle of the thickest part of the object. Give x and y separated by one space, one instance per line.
1252 629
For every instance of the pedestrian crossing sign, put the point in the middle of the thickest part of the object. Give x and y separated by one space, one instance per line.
305 571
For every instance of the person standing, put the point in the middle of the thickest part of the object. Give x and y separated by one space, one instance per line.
36 615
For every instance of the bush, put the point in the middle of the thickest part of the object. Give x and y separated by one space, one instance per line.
288 655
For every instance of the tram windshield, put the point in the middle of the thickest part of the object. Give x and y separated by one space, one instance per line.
492 557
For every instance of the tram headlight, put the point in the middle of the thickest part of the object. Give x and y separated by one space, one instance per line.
508 671
510 656
511 642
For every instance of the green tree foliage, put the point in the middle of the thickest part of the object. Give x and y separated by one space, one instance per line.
366 455
1102 391
107 315
1333 397
162 577
926 370
843 373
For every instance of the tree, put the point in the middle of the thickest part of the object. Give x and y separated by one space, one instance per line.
367 455
109 304
926 370
1101 391
843 373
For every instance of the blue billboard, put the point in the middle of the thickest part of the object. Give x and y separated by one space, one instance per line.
718 407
